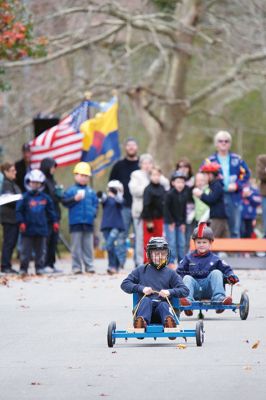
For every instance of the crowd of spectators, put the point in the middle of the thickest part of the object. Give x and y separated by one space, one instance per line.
139 197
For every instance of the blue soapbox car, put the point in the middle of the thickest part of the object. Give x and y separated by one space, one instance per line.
156 330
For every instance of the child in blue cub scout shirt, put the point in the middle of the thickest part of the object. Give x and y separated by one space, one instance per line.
112 225
154 282
204 272
33 213
251 199
82 202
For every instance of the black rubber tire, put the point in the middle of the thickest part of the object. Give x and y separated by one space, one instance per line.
110 338
199 333
244 306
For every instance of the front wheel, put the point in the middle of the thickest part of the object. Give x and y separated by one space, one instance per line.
244 306
110 331
199 333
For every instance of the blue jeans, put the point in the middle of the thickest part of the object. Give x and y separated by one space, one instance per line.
150 308
211 287
264 214
127 218
114 244
233 212
139 243
177 242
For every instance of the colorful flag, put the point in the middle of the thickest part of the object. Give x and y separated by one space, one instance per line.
62 142
100 142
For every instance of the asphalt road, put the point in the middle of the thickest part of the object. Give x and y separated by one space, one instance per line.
53 345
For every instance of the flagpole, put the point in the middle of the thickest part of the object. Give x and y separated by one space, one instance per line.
88 96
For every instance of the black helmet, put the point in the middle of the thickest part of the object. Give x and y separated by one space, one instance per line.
158 243
203 231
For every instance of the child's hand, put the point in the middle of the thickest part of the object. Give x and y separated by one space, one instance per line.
78 197
164 293
172 227
232 187
22 227
197 192
183 228
232 279
147 290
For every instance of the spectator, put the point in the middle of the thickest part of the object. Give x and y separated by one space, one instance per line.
261 174
8 218
138 181
33 213
251 199
235 173
152 213
214 199
82 203
175 213
48 167
23 166
121 171
184 166
202 210
112 225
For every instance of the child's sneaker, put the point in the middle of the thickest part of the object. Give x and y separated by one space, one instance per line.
185 302
226 302
170 323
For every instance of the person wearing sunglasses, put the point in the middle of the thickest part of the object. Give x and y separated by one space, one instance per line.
235 174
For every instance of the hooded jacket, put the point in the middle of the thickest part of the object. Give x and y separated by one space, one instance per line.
50 183
8 211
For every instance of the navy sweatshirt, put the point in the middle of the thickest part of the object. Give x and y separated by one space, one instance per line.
215 199
199 267
147 275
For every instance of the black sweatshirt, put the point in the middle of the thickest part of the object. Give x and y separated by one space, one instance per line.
153 200
175 206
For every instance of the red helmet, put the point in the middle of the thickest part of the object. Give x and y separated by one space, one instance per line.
203 231
213 167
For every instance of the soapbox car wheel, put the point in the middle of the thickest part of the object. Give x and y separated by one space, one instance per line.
199 333
244 306
110 331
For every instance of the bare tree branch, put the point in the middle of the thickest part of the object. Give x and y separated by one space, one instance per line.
229 77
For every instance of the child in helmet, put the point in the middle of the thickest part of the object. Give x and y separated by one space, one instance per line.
147 279
112 225
204 272
214 199
82 203
32 213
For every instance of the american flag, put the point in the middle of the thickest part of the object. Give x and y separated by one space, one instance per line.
62 142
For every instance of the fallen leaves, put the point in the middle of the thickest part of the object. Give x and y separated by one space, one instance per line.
4 281
35 384
256 344
181 346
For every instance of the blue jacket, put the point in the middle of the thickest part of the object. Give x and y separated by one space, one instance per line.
34 210
215 199
83 211
147 275
250 204
199 267
112 215
239 173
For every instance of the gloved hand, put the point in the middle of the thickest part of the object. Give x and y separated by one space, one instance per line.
150 226
99 194
22 227
232 279
56 227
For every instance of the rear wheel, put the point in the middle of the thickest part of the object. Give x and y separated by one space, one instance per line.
110 331
244 306
199 333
